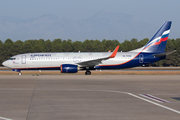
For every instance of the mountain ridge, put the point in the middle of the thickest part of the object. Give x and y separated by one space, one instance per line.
102 25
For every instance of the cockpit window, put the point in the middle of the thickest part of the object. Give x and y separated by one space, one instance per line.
12 58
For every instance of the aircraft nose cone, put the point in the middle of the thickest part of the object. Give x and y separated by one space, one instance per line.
5 63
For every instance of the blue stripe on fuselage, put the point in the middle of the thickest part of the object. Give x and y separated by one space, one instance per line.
148 59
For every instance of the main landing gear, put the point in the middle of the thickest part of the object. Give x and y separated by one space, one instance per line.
88 72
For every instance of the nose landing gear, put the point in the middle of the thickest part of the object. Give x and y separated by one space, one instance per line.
16 70
19 73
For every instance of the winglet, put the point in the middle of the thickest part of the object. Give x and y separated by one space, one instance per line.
114 52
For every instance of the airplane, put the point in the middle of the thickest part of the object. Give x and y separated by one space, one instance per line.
67 62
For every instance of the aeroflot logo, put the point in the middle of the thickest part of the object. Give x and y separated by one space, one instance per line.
41 55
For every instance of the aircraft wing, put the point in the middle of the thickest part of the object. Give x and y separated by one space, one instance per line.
94 62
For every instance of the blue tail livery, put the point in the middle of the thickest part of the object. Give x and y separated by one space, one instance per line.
157 44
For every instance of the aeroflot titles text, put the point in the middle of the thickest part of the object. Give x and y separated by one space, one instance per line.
41 55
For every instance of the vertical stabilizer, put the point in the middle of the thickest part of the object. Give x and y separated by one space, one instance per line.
157 44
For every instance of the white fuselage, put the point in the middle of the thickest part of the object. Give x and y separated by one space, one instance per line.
41 60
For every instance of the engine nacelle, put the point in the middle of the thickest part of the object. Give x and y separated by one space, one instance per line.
69 68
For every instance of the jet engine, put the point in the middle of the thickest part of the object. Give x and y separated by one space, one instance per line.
69 68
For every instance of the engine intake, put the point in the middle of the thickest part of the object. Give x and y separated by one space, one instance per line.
69 68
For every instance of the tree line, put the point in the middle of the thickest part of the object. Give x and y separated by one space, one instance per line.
10 48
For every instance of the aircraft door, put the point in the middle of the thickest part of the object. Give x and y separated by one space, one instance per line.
23 59
141 58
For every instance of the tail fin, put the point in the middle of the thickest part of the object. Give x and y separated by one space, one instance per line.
157 44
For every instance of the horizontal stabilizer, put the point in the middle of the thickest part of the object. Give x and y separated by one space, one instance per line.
164 54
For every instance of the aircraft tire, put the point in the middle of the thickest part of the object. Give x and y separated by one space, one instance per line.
88 72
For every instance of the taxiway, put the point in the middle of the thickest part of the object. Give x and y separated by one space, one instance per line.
96 97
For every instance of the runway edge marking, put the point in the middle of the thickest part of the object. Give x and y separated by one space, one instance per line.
176 111
5 118
154 98
168 108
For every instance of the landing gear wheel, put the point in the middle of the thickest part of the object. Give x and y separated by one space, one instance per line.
88 72
19 73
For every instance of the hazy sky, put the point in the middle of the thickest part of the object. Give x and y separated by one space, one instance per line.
152 11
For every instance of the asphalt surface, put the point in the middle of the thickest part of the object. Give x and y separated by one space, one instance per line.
95 97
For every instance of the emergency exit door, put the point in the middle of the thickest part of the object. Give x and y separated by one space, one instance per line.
23 59
141 58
